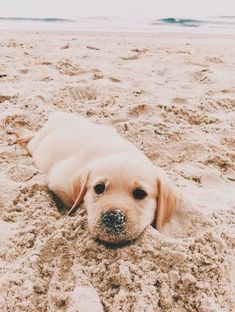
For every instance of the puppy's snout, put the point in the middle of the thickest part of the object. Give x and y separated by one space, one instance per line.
113 222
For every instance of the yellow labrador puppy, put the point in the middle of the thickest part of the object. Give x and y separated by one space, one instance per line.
122 190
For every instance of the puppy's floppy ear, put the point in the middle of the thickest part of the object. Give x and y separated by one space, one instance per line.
79 188
167 199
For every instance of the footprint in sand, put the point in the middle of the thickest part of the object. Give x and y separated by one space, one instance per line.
222 162
139 110
225 104
202 76
179 100
194 118
65 67
83 94
214 60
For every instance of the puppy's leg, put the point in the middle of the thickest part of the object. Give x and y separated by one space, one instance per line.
23 137
69 182
60 180
39 136
56 121
30 138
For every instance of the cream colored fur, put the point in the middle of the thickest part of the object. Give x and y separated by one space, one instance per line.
77 154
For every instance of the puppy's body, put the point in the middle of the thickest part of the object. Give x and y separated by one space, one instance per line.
78 155
66 135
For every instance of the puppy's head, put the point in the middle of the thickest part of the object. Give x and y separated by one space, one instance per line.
123 195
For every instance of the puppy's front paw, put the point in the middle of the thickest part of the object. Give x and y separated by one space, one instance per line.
23 137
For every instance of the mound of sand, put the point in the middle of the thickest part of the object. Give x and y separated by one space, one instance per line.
174 96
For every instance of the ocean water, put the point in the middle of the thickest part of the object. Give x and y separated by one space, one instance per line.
210 25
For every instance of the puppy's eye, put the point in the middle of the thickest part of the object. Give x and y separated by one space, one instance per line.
99 188
138 193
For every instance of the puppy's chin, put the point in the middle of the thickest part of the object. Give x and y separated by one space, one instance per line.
127 236
114 245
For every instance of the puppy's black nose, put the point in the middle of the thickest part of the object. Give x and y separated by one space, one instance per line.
113 222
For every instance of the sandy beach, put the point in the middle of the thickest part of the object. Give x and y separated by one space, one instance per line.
174 97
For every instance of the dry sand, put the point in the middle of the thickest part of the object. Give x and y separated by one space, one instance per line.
175 95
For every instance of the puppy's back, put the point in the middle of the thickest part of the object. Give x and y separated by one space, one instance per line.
65 135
